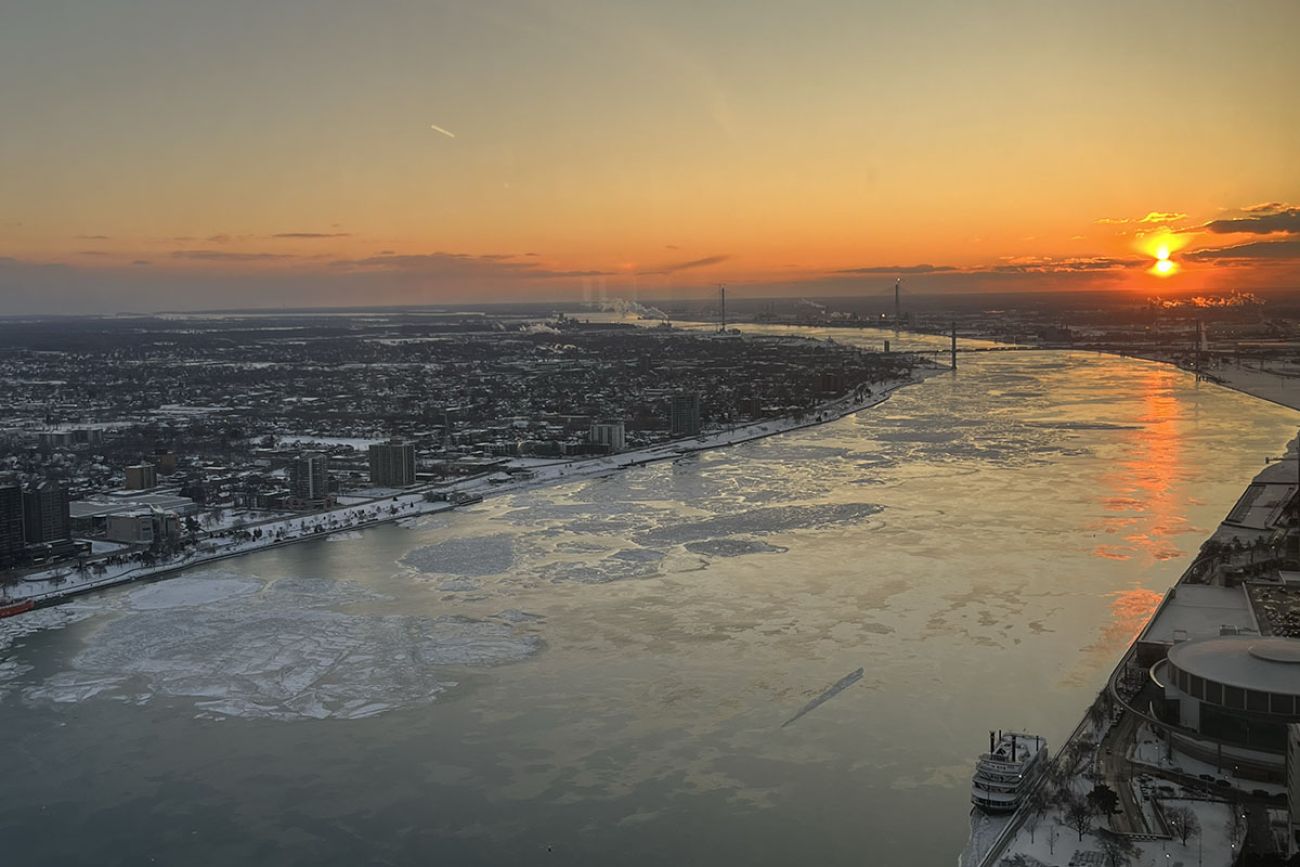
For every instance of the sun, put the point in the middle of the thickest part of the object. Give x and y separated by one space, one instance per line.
1164 266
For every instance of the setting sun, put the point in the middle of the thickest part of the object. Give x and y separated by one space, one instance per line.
1164 266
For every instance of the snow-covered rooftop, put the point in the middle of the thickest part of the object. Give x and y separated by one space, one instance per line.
1246 661
1199 611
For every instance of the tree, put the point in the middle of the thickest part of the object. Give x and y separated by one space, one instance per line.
1236 822
1096 714
1031 822
1035 807
1117 848
1103 799
1079 818
1183 823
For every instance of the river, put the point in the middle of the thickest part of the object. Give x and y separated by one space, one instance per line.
598 672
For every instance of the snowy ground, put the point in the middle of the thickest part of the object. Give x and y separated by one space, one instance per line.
1150 750
1275 382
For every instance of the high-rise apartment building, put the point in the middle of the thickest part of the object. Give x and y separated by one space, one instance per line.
309 480
45 513
11 521
685 414
141 477
392 464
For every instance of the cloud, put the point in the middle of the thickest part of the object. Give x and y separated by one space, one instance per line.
1263 220
1050 265
1265 207
674 267
1162 217
1112 221
141 262
1254 251
227 256
1015 265
312 235
459 266
923 268
91 253
91 237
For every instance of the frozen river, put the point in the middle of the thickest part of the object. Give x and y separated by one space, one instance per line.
599 672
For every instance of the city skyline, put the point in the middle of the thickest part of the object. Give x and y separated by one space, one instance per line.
318 154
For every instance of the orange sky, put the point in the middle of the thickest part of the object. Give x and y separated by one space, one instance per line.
169 155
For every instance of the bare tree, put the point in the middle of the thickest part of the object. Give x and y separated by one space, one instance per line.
1183 823
1236 822
1035 807
1118 849
1031 823
1079 817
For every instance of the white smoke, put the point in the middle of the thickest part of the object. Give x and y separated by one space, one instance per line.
623 307
539 328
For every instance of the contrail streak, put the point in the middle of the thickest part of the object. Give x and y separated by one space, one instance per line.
447 133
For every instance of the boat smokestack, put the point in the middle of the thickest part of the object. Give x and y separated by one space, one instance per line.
1013 747
991 742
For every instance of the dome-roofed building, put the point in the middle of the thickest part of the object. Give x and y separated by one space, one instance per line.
1237 689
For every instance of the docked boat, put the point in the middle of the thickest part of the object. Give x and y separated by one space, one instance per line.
1008 771
9 609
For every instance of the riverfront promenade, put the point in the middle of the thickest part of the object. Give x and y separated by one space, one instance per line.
1115 759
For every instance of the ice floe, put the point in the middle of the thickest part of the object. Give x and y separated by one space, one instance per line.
277 655
770 519
616 567
733 547
472 556
203 588
458 585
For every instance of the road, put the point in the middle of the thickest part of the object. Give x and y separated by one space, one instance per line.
1116 771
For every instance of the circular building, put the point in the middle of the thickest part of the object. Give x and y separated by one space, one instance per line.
1237 689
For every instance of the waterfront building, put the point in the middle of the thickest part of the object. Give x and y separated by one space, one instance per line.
141 477
684 416
1235 691
45 513
609 434
132 528
309 481
11 521
392 464
151 527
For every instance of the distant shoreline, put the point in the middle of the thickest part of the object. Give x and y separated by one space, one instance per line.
411 504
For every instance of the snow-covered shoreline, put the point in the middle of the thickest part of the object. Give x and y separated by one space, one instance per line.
276 533
1275 386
